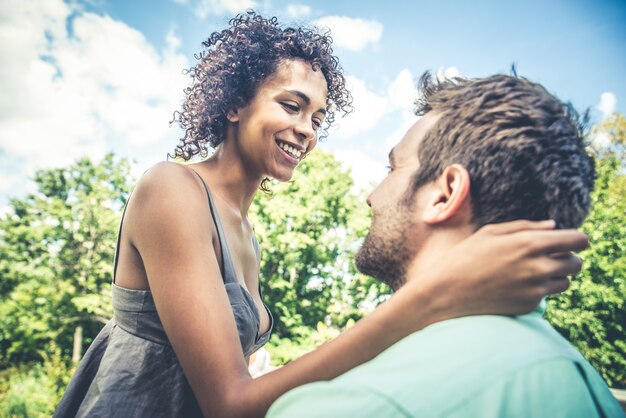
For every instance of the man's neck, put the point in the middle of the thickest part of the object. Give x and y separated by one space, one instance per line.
434 250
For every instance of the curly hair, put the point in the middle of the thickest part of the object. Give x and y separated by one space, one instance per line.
233 64
524 149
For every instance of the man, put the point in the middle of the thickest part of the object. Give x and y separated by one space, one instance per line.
485 150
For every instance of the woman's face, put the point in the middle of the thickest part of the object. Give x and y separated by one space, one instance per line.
279 125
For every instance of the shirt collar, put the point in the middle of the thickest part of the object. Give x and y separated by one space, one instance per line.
540 310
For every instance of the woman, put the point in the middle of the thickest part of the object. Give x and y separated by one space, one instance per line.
188 311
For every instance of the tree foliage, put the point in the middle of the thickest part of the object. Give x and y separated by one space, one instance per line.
308 228
56 251
592 313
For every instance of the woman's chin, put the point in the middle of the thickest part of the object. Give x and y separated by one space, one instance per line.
283 178
283 175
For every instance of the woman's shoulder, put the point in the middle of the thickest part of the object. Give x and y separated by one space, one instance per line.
168 178
168 195
170 186
166 173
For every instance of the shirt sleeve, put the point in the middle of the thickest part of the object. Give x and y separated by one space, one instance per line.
549 389
332 400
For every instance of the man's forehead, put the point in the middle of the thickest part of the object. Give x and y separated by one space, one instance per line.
409 144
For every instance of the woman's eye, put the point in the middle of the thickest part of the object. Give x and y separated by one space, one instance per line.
389 169
317 124
291 107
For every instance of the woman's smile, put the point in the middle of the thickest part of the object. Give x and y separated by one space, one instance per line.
291 152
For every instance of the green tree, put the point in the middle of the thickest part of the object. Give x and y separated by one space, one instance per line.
308 228
592 313
56 254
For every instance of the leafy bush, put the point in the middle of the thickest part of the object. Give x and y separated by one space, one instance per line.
284 350
34 391
592 313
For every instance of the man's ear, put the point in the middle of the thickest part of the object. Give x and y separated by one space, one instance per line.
449 195
233 115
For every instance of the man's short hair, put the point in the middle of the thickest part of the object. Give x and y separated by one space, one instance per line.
523 148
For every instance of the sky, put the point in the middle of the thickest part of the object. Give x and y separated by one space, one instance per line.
83 78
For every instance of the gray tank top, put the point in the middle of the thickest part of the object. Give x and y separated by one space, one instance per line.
132 307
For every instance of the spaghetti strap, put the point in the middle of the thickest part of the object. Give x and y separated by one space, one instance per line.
119 238
228 269
255 244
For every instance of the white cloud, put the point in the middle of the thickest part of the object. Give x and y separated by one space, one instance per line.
405 121
351 33
68 96
607 103
600 139
7 182
366 171
172 41
370 107
446 73
296 11
203 8
402 91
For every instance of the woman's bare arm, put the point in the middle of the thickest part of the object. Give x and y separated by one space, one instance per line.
173 234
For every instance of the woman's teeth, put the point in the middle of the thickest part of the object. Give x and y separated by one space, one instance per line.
290 150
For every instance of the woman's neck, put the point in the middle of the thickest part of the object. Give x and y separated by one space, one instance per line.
230 179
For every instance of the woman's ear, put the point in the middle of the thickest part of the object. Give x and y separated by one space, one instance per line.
449 195
233 115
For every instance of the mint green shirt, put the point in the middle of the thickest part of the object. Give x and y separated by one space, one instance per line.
480 366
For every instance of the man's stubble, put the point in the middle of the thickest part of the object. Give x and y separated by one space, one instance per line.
384 253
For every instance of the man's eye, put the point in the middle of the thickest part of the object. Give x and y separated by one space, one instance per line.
389 168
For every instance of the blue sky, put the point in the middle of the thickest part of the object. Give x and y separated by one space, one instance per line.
83 78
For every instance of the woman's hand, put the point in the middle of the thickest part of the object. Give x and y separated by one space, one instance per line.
502 269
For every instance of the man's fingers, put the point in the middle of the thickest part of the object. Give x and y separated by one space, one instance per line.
561 241
519 225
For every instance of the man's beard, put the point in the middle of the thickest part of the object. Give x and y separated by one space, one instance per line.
384 253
